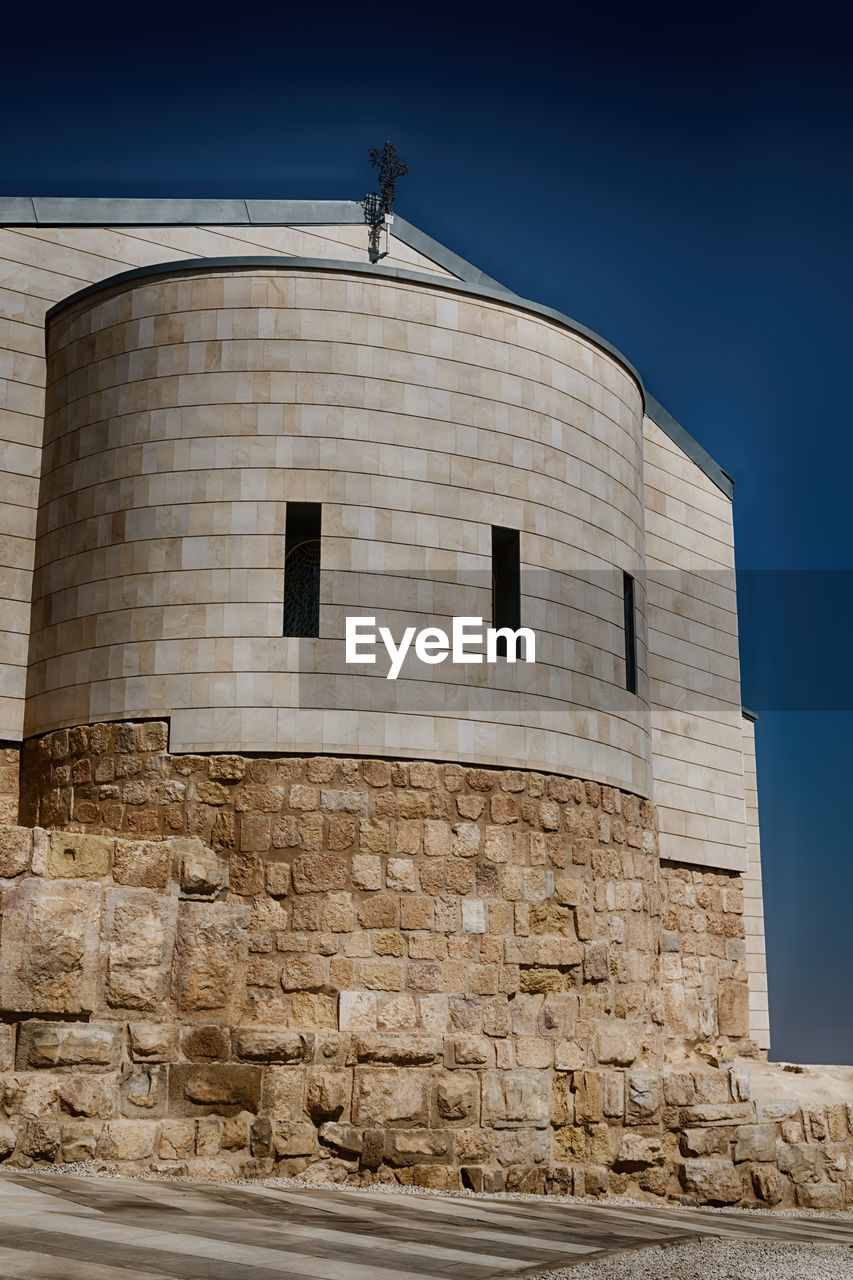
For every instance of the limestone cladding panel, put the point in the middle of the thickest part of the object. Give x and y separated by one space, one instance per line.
753 906
38 267
183 414
697 740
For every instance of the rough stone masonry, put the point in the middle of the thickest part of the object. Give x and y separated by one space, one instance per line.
355 969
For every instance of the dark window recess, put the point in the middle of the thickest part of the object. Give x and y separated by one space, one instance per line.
506 582
630 633
302 569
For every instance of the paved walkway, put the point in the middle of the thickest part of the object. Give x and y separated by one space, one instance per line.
68 1228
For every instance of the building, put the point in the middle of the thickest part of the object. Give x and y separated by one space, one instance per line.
227 430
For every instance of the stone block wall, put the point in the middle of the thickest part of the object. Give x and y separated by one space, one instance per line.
355 969
703 955
9 771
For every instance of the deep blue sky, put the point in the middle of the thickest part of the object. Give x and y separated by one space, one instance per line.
679 180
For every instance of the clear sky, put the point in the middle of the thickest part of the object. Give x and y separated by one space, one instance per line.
677 179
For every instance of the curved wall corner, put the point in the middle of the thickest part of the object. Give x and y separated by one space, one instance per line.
187 409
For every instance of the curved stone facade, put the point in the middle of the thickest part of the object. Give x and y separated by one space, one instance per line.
185 413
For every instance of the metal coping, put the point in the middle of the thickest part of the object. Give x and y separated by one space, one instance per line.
46 211
751 716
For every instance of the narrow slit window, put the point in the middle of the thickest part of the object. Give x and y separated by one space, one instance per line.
506 582
630 633
302 569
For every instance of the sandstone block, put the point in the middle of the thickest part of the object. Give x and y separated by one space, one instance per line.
800 1160
712 1181
211 950
304 973
456 1096
643 1096
617 1042
568 1056
143 864
40 1140
203 872
313 1009
821 1195
212 793
531 1051
139 931
679 1089
222 1087
319 872
49 957
436 838
367 871
342 1137
704 1142
277 879
74 855
88 1096
512 1099
327 1094
283 1091
399 1014
379 911
755 1142
226 768
733 1008
336 913
718 1113
418 1146
568 892
344 802
466 840
127 1140
177 1140
473 915
596 964
142 1091
16 847
383 1096
775 1110
153 1041
262 1045
151 735
205 1043
767 1183
67 1044
402 874
7 1047
636 1152
79 1142
412 1049
357 1011
8 1139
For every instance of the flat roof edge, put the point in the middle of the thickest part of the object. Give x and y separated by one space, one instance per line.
689 446
85 211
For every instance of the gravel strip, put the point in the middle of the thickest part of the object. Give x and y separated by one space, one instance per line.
96 1169
718 1260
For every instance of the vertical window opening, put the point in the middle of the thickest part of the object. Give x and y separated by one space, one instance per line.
506 582
302 569
630 633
